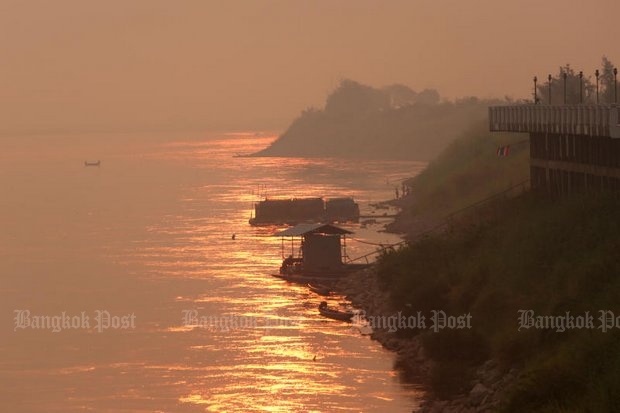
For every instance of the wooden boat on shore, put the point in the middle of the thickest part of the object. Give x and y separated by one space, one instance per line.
306 278
334 313
319 277
319 289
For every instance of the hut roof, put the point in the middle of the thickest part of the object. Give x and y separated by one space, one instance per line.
304 229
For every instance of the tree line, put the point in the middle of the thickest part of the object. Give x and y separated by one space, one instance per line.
574 87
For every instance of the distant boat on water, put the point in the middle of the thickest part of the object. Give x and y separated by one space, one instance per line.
86 163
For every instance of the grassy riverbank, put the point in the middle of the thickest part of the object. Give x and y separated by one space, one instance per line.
547 256
519 253
467 171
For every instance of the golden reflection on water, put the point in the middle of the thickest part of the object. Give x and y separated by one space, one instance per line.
293 360
174 239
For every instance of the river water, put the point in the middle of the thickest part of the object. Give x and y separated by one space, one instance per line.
146 239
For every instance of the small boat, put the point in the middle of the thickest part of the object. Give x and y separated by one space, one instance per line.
335 313
86 163
304 278
319 289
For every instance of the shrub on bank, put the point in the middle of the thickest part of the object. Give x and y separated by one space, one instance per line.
544 255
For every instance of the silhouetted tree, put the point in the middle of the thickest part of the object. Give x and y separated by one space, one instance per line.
400 95
353 98
606 81
572 88
428 97
359 122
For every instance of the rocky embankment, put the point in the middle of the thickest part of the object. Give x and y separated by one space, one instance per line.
485 391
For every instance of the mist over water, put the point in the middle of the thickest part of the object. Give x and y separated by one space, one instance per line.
149 233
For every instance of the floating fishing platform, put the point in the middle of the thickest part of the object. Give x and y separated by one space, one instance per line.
292 211
318 256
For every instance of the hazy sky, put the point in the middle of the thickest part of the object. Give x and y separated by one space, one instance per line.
83 64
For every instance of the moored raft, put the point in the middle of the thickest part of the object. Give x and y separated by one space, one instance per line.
298 210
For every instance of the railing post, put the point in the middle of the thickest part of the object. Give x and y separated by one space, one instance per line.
614 121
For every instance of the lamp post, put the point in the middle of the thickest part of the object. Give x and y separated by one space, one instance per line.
565 75
596 73
549 83
535 91
580 87
615 85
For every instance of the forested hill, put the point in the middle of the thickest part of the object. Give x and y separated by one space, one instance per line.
394 122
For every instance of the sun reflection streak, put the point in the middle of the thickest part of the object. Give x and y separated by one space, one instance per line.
294 360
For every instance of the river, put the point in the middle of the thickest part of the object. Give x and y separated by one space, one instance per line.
145 239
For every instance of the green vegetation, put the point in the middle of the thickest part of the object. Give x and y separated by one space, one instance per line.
536 254
469 170
528 253
394 122
587 83
519 252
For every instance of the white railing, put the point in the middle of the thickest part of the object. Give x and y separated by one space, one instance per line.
591 120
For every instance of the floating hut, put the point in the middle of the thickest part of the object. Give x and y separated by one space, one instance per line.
320 253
